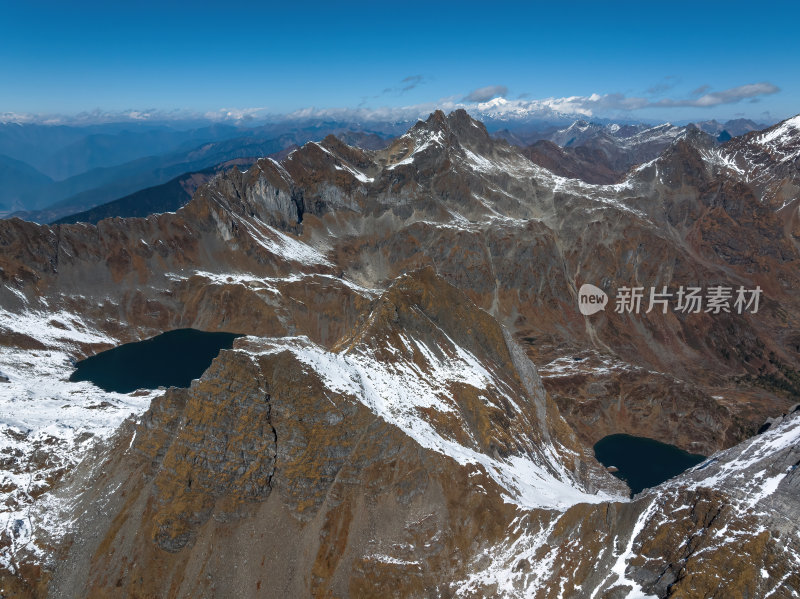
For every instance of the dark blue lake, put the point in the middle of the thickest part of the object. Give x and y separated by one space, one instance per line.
171 359
643 462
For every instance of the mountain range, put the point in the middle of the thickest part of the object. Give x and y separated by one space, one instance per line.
95 168
411 408
80 168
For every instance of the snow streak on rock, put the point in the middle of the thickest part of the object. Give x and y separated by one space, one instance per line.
399 391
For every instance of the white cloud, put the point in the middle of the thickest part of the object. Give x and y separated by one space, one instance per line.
487 102
98 116
484 94
728 96
236 114
594 105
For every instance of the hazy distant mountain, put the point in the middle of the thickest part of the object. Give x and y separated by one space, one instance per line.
33 143
525 136
61 151
729 129
103 184
100 186
106 150
166 197
19 182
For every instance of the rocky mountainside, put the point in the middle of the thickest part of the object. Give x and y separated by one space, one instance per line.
597 153
770 162
603 153
413 407
590 165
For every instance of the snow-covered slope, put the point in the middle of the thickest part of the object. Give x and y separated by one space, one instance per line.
731 518
418 391
47 423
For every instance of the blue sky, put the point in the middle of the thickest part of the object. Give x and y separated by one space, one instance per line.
650 61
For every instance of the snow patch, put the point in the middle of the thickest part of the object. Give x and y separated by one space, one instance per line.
398 391
46 422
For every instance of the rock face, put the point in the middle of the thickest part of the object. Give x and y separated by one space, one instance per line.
597 153
382 428
587 164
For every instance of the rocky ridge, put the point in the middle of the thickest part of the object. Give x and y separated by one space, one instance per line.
309 257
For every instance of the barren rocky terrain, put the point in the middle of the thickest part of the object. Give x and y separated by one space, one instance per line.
412 408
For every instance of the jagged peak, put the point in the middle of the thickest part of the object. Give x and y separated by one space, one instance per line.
441 131
466 127
331 141
461 117
458 122
437 117
694 137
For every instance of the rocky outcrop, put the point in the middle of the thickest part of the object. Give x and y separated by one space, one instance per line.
580 162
